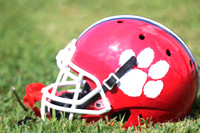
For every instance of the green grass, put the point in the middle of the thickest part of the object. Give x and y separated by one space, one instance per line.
32 33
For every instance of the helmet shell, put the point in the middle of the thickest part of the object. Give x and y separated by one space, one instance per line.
98 52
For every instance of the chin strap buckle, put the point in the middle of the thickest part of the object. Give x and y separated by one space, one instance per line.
114 78
111 81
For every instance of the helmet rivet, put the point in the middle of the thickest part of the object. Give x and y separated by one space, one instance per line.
98 104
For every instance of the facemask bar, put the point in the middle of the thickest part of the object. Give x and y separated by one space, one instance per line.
64 63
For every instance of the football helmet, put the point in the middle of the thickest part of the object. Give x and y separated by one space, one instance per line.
124 65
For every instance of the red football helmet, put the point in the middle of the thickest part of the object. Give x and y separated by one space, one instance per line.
124 64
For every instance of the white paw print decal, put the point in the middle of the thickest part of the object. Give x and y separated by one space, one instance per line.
134 82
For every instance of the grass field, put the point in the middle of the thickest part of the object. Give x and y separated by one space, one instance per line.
32 33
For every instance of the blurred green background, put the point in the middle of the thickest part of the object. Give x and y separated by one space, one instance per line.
32 33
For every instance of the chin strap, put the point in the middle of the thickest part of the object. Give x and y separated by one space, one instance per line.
22 105
112 79
33 95
27 118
